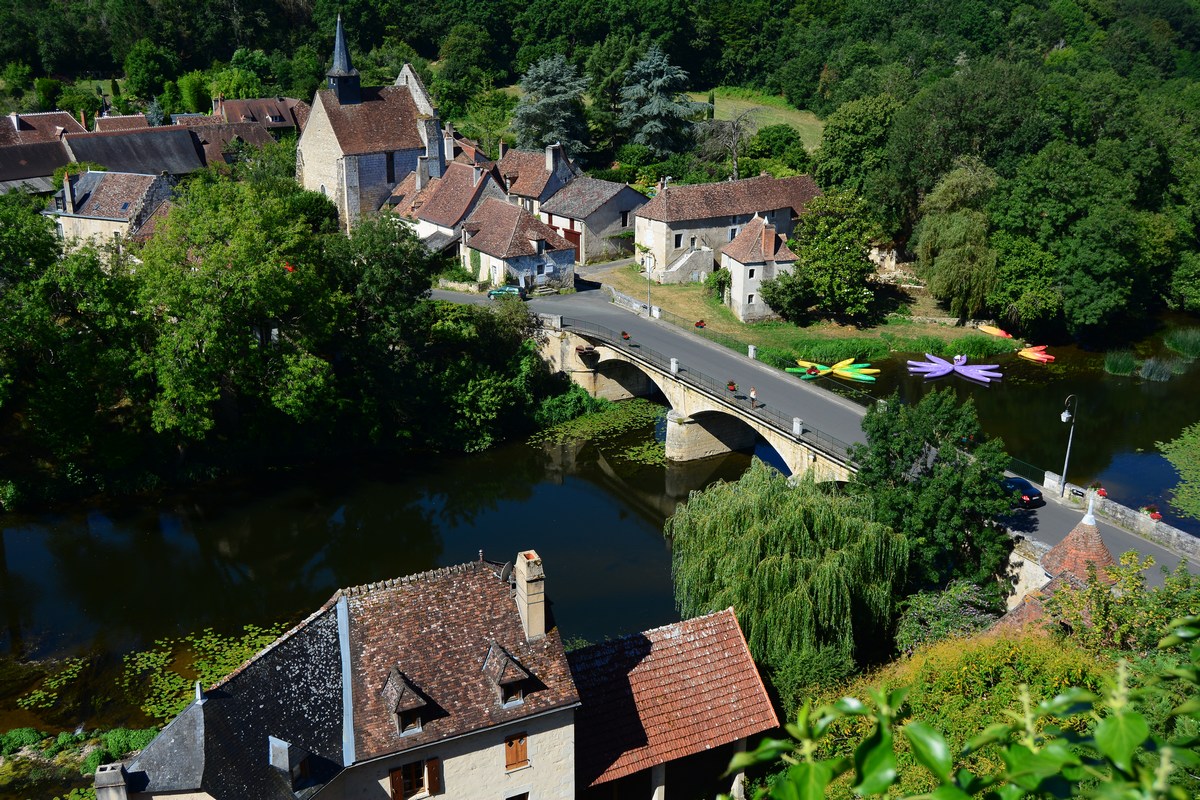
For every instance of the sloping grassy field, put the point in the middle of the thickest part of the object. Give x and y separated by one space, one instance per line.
769 110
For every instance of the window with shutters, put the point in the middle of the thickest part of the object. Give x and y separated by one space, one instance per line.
417 779
516 755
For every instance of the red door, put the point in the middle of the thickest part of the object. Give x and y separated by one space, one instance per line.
573 237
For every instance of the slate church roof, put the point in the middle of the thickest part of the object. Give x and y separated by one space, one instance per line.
730 198
664 694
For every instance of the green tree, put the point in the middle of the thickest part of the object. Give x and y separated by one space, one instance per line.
28 245
727 138
467 66
489 115
195 94
551 107
606 66
1184 454
958 610
48 91
931 474
832 239
147 68
780 142
18 78
813 577
236 83
951 239
655 112
79 100
854 142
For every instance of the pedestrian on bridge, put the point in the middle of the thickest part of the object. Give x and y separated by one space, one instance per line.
753 398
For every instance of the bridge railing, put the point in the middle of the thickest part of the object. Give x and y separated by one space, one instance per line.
716 389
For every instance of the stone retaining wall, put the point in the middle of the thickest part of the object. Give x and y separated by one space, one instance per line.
459 286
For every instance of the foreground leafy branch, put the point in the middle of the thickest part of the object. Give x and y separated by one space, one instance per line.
1115 756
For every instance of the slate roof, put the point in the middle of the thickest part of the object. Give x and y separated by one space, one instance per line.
730 198
582 197
109 195
747 246
169 149
505 231
437 629
122 122
35 160
385 120
444 201
667 693
292 690
45 126
1079 548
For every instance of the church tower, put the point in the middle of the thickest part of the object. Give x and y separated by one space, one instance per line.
342 76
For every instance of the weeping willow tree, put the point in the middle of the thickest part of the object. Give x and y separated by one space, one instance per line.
810 575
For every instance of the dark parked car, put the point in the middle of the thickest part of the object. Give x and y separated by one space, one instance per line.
1027 495
501 291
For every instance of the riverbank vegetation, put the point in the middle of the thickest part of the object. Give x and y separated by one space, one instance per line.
1184 454
248 333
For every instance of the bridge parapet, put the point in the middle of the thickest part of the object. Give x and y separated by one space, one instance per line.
580 347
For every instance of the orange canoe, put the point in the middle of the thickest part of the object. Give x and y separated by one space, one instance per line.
994 331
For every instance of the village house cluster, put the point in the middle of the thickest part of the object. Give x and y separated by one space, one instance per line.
526 218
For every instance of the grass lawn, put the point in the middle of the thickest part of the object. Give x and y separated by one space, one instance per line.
770 110
780 343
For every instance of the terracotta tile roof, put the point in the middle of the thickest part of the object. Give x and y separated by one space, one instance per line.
664 694
505 231
41 127
526 172
582 197
36 160
730 198
437 629
1031 611
747 246
167 148
122 122
445 201
109 195
193 120
1080 547
385 120
215 138
270 112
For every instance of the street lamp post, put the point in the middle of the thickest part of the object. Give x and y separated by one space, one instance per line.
648 264
1068 415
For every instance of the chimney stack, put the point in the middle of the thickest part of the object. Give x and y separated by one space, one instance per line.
422 172
553 156
768 242
68 193
502 148
477 173
111 782
531 593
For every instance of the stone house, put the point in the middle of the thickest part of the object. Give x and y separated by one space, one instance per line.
657 706
594 215
451 682
757 254
358 143
502 242
437 207
103 206
532 177
684 228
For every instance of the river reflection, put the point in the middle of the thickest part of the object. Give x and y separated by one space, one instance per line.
105 582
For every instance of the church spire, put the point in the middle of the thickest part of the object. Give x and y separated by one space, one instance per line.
342 76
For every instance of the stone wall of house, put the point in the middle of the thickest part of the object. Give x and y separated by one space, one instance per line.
317 155
745 289
473 766
602 229
159 191
84 229
714 233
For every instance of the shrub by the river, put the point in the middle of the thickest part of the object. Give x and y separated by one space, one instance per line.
575 402
1158 369
1184 454
14 740
614 420
1120 362
1185 341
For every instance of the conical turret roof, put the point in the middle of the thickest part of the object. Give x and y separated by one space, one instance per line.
341 55
1080 547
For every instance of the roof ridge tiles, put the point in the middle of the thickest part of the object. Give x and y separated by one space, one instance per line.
403 580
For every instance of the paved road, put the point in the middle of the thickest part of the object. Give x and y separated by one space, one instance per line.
792 397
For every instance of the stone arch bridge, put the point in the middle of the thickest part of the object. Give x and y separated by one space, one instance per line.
705 418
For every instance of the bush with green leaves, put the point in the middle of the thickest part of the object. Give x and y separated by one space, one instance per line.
18 738
1079 742
927 617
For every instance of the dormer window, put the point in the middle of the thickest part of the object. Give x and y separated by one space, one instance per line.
404 702
511 680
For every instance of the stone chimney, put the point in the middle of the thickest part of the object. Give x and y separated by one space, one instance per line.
422 172
768 242
110 782
477 173
68 194
554 155
448 146
502 148
531 593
